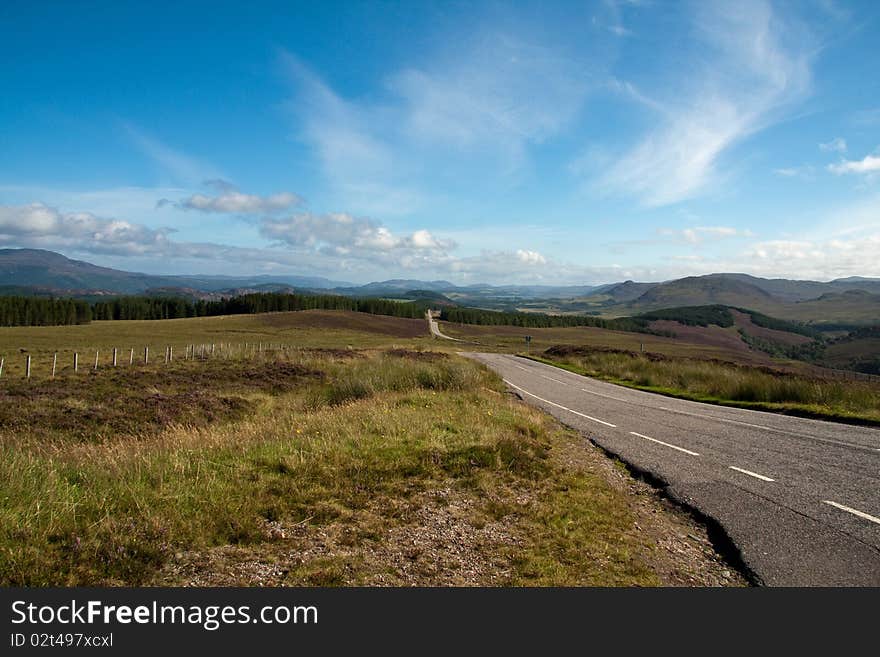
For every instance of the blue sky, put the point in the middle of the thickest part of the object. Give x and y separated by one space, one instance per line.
570 142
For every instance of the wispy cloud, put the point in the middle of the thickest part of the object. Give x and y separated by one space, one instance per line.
758 71
700 234
806 171
482 104
869 164
182 168
836 145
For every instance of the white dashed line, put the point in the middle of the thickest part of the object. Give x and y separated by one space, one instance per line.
521 368
550 378
599 394
564 408
751 474
855 512
660 442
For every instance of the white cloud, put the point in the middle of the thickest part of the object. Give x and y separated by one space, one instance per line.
234 202
760 69
344 234
867 165
828 258
42 226
836 145
531 257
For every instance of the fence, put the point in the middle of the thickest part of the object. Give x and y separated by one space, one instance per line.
52 364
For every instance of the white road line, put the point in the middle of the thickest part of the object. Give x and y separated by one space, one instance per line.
564 408
751 474
550 378
784 432
521 368
855 512
660 442
599 394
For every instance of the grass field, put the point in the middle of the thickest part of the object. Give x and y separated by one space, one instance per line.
726 383
693 342
310 328
320 465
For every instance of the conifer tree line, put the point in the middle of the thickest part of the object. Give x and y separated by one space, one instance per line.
539 320
37 311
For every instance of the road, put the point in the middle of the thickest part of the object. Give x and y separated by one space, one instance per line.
435 329
798 498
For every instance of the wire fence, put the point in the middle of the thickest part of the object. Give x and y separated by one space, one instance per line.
67 362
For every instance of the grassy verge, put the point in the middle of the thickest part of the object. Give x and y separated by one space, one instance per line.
726 384
369 467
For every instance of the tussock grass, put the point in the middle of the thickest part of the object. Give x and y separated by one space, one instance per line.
370 433
719 382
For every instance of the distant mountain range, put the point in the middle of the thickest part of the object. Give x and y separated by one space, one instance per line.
853 299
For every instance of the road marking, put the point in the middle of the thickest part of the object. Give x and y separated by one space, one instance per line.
521 368
660 442
751 474
599 394
550 378
704 416
564 408
784 432
855 512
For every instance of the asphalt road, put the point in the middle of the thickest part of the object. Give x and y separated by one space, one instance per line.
799 498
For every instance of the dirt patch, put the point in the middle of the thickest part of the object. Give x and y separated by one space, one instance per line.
444 537
429 541
398 327
744 322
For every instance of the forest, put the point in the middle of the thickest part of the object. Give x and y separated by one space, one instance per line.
36 311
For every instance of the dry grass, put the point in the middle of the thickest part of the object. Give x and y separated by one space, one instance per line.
370 450
726 383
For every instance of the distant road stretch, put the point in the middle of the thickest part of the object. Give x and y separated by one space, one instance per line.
799 498
435 330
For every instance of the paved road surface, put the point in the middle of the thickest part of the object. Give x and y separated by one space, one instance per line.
435 330
799 498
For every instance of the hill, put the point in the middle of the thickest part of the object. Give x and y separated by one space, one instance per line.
35 271
703 291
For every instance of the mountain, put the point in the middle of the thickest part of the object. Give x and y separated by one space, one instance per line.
52 271
786 289
626 291
853 301
394 287
47 272
703 291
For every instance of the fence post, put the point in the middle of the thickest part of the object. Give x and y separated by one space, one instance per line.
170 353
166 353
212 348
146 355
96 359
2 361
54 363
28 367
114 356
131 357
75 362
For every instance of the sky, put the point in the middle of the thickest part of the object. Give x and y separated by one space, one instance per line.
491 142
